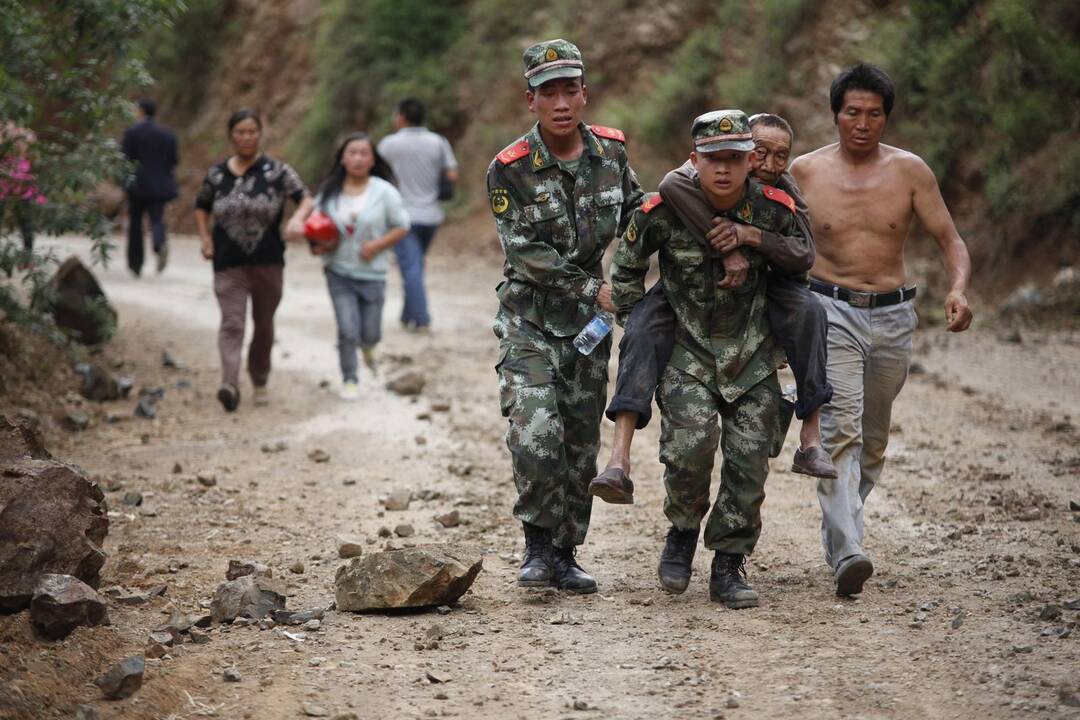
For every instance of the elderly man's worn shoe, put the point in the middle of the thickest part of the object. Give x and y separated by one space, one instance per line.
536 568
852 573
813 461
728 582
677 559
570 576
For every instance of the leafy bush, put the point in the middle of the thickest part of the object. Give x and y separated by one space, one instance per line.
182 53
995 79
370 54
65 73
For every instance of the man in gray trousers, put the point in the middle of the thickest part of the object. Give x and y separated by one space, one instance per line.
863 196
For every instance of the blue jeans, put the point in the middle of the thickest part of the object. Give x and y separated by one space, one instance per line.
410 256
358 306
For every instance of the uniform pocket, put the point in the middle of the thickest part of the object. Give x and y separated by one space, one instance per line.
607 204
551 223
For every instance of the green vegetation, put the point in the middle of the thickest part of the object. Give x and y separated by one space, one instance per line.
182 53
994 81
734 57
65 74
369 55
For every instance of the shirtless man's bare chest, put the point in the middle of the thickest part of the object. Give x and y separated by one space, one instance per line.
861 215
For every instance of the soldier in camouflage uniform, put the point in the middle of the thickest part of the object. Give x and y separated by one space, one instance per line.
724 362
560 195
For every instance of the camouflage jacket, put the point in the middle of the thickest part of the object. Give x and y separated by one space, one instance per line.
723 336
554 226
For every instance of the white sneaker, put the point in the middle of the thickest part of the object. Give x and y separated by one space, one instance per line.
350 391
261 398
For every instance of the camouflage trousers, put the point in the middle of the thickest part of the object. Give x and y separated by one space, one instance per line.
554 398
689 438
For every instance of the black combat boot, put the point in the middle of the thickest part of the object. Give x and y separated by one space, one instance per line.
676 559
728 582
536 569
569 576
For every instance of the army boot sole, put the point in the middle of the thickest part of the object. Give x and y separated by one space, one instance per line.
735 603
673 585
587 590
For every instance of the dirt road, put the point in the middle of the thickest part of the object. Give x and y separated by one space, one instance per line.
971 533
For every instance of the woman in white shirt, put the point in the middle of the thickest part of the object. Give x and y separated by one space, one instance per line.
360 197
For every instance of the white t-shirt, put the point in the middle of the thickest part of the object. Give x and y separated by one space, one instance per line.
417 156
352 206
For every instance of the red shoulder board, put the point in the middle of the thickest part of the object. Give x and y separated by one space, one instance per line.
779 196
651 201
609 133
514 152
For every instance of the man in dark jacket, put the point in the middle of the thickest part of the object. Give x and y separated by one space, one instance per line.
153 150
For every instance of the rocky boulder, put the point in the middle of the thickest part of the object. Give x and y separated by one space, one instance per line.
53 519
62 602
413 577
240 568
409 382
123 679
78 304
251 596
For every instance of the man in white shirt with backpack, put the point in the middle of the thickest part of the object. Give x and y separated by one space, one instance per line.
422 162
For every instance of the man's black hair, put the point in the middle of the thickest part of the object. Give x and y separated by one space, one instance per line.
148 106
412 110
863 76
773 121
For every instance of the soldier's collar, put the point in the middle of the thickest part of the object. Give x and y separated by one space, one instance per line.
542 158
742 210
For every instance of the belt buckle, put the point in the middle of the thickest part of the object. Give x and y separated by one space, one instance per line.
860 299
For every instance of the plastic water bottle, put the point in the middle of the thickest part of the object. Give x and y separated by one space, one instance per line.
790 392
591 335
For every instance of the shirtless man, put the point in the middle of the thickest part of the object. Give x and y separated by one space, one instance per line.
863 196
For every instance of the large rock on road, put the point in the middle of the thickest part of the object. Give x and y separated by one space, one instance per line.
414 577
62 602
53 519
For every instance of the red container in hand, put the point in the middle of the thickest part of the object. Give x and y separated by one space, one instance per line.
321 233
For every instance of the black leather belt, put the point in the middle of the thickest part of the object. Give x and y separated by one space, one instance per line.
859 299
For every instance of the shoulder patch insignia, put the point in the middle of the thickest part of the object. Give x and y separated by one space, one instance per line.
652 200
778 195
514 152
500 201
609 133
631 231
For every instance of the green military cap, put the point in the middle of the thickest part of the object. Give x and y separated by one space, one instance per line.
552 59
722 130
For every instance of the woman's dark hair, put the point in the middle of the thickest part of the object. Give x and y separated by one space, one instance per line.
244 114
773 121
863 76
331 186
